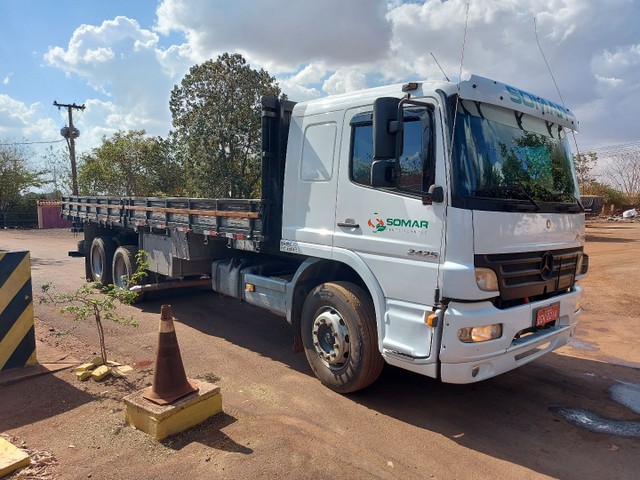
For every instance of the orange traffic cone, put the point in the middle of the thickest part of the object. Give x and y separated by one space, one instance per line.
169 379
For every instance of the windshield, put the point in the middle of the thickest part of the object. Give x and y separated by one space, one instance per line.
506 160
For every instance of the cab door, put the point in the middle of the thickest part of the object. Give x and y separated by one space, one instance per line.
390 228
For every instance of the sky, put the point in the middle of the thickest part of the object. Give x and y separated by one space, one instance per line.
121 58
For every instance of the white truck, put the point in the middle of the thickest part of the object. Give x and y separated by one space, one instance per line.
432 226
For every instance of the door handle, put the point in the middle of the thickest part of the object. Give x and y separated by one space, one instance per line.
348 225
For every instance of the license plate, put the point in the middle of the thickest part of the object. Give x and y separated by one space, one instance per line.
545 315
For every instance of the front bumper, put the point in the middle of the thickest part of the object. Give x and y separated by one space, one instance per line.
472 362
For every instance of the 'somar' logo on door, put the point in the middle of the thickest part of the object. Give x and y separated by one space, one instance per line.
402 225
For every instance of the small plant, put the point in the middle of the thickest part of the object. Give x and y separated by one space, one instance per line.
95 300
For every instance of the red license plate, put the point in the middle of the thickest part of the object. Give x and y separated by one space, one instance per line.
545 315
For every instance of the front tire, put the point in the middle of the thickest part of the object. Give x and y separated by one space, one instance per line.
100 258
340 338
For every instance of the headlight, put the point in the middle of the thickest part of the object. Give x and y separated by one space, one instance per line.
487 280
480 334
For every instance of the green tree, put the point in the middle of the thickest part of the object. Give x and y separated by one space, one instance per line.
131 164
98 301
610 195
216 118
58 172
15 178
585 164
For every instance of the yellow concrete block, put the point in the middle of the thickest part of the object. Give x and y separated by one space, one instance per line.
97 361
100 372
121 371
83 375
161 421
11 458
85 366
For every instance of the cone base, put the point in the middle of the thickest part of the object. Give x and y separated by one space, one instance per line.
166 398
161 421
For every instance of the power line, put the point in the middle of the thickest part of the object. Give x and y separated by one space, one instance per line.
631 148
30 143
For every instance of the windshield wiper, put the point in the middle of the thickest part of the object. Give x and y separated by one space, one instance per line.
570 207
563 206
509 190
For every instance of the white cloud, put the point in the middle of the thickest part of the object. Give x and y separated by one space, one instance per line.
120 59
175 60
611 82
19 121
345 80
622 59
281 34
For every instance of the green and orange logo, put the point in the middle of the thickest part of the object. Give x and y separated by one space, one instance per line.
379 225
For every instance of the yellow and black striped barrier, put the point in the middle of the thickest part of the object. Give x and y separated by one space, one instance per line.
17 334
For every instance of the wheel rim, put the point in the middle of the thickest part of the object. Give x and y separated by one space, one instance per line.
120 273
97 263
331 338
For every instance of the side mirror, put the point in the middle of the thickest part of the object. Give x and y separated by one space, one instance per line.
385 128
383 173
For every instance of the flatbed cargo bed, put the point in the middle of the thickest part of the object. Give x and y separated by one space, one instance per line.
236 219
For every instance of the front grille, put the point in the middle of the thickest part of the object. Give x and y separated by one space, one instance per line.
530 274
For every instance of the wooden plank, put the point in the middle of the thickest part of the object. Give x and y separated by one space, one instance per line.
185 211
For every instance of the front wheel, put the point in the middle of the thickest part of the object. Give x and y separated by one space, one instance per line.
340 336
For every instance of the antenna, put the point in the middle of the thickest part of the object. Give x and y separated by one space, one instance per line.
535 31
453 133
455 112
438 63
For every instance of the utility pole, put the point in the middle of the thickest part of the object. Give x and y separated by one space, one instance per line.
71 133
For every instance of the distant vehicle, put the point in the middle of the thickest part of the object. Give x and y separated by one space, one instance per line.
592 204
433 226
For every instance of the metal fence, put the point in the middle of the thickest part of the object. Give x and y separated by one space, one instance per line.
20 219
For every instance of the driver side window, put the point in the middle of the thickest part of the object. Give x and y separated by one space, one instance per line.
414 172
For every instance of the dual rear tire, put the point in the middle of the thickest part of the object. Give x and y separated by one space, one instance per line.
109 263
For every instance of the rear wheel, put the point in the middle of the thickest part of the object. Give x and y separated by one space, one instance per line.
124 265
340 336
100 258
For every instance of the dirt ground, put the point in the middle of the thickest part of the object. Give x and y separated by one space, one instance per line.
280 422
